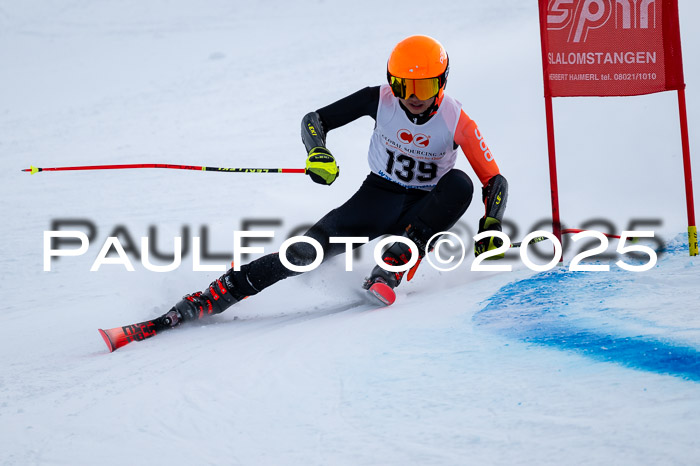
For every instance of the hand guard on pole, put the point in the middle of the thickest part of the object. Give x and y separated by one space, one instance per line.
321 166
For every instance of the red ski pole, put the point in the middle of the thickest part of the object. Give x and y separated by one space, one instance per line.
34 169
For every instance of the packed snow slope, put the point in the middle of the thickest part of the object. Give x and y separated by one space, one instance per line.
518 367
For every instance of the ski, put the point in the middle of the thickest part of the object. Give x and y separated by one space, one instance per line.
117 337
379 295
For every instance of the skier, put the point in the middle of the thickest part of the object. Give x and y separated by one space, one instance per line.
413 188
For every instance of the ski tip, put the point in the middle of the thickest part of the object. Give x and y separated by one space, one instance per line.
107 340
383 293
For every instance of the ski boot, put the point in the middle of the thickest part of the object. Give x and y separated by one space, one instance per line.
381 283
221 294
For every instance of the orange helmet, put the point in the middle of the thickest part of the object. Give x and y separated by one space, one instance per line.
418 65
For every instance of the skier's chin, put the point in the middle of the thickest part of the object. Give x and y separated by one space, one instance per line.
416 106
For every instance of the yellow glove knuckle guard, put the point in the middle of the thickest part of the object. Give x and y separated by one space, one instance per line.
321 164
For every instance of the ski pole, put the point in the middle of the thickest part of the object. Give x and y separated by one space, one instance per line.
534 240
34 169
567 231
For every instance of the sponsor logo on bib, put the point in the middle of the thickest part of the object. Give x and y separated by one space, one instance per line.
419 140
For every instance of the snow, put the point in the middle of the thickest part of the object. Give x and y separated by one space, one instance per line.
508 368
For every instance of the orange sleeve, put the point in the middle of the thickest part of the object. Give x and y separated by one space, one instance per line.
469 138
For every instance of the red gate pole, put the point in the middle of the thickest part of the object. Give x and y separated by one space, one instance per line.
553 184
692 228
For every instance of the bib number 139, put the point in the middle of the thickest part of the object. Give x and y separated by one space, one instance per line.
404 168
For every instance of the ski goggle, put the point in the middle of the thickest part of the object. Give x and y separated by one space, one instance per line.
424 89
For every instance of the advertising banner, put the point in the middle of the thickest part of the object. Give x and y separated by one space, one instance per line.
610 47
